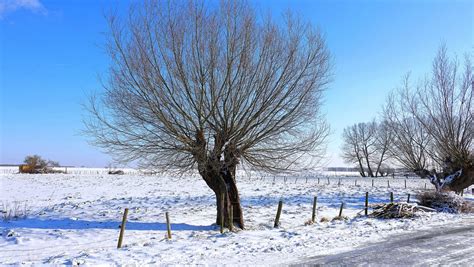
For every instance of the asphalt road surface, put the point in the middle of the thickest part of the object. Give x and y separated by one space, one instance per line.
446 245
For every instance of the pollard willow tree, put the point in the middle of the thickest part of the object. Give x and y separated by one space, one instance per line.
433 124
206 87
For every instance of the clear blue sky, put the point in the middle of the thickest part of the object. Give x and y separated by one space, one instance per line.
51 57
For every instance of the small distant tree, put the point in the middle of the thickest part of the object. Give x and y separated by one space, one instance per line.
37 164
366 145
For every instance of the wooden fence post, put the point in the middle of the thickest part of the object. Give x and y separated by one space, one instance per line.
388 183
340 209
366 203
168 225
318 180
405 183
355 182
328 181
122 228
277 218
313 216
372 182
408 199
391 197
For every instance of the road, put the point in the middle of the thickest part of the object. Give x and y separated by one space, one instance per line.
446 245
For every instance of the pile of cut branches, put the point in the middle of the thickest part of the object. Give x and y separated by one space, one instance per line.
397 210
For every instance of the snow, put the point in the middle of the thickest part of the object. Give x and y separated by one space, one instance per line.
75 218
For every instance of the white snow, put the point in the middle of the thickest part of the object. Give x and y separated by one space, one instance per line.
75 218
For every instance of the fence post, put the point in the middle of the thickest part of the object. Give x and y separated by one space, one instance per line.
388 183
355 182
366 203
318 180
313 216
328 181
372 182
168 225
391 197
277 218
340 210
408 199
122 228
405 183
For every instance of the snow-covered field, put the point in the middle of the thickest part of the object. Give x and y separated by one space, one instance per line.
74 219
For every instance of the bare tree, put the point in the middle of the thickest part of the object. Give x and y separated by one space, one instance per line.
366 144
210 87
351 149
383 139
440 108
410 140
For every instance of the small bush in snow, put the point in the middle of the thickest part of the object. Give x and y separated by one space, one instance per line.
445 202
324 219
13 211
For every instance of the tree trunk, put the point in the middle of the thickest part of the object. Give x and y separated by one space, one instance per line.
452 178
226 197
224 185
380 164
361 168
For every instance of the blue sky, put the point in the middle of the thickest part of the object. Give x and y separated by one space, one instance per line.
51 56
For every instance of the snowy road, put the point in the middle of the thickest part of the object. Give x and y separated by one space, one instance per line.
441 246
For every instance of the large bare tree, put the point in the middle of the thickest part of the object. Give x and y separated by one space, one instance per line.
435 121
194 85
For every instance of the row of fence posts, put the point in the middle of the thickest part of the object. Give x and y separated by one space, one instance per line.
339 181
275 225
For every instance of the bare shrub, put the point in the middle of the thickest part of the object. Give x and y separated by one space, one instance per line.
445 202
14 210
324 219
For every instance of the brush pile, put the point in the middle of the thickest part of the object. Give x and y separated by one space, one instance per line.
445 202
397 210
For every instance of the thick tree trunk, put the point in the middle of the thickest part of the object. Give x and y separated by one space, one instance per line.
226 198
451 179
224 186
